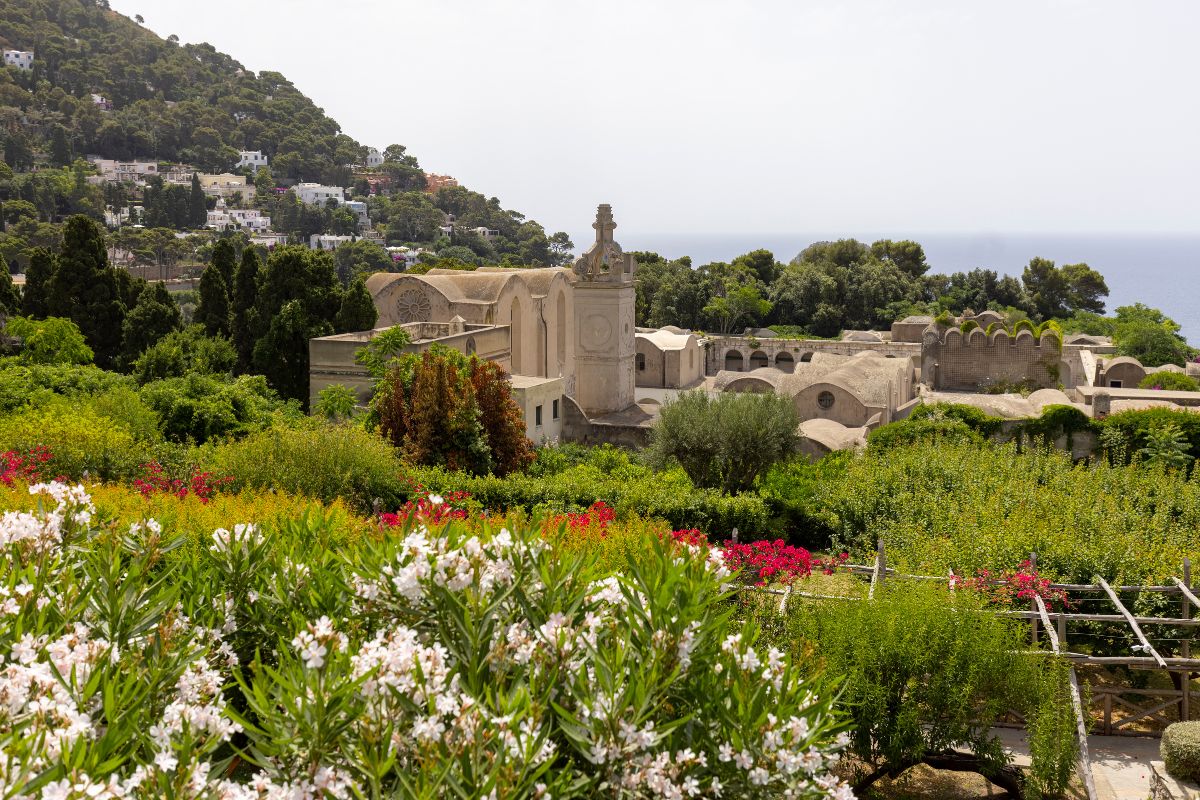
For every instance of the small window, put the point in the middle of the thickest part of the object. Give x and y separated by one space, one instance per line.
554 410
825 400
640 358
1114 384
537 417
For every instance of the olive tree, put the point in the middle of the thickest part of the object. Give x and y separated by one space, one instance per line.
725 442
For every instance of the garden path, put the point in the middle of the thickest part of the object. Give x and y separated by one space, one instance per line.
1120 764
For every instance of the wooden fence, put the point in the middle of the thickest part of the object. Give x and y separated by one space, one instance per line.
1150 709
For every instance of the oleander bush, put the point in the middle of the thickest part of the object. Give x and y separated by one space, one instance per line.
438 660
1180 750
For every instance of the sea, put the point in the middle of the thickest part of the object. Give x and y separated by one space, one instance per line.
1162 271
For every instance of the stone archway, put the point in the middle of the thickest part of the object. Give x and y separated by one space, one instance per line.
807 357
784 362
734 361
759 359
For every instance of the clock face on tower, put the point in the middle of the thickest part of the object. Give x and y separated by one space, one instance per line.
597 332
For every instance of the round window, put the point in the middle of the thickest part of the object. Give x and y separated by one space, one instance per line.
825 400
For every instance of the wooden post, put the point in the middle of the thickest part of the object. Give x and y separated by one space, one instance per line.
1033 621
880 571
1062 630
1137 631
1185 648
1085 760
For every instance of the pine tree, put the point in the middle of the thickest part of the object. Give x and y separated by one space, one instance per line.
245 328
197 204
213 309
155 315
37 284
358 311
10 297
85 289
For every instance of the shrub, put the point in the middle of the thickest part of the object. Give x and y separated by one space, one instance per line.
725 442
1180 750
928 430
80 442
1133 428
199 407
927 673
181 353
313 459
976 419
1170 381
441 408
788 489
52 341
33 384
631 489
971 505
336 402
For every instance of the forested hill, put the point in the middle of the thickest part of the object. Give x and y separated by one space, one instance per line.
170 101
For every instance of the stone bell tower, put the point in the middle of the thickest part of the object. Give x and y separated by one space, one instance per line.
604 322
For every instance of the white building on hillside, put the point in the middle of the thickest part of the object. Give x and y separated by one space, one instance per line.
314 194
360 210
252 159
251 220
327 241
21 59
114 171
374 158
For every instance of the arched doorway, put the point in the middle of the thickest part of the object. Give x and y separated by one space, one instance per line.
785 363
758 359
733 361
516 338
807 357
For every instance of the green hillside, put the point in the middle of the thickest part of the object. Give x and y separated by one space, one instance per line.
171 101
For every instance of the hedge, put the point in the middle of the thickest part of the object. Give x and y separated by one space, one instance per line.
1180 750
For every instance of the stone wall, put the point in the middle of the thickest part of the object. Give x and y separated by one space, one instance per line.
975 361
785 353
576 427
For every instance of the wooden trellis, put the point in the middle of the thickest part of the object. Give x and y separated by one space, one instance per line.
1105 699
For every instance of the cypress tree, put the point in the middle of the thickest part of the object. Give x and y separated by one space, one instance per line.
357 312
10 297
245 326
155 315
37 280
282 354
213 309
60 149
224 258
85 289
197 204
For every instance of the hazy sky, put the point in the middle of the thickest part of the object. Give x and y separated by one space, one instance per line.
824 116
